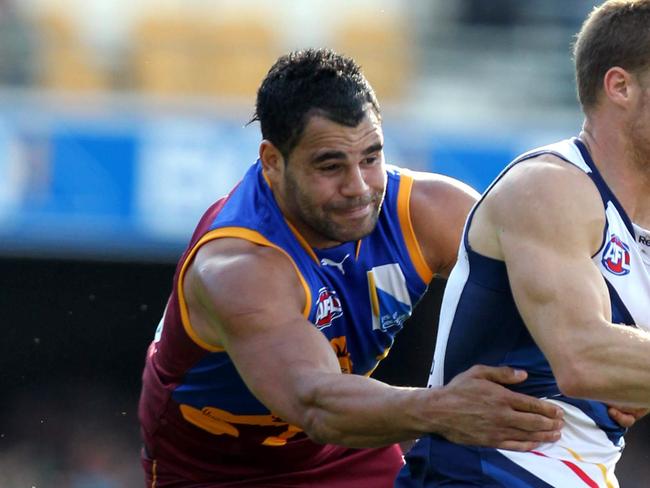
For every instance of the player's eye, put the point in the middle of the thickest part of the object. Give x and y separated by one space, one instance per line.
328 168
370 160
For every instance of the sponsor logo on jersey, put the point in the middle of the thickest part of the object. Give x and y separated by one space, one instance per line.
616 256
394 319
328 308
337 264
645 240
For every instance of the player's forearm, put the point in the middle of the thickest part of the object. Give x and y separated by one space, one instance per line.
472 409
361 412
613 366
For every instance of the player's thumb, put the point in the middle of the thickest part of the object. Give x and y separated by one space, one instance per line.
503 374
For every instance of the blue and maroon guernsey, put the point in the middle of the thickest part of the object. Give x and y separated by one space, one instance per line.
198 418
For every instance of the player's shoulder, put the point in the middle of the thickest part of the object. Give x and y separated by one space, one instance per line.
546 177
434 190
548 192
231 282
437 185
244 266
438 208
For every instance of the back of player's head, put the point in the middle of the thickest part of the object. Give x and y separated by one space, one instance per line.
307 82
616 33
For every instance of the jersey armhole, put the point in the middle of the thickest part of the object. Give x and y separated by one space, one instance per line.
239 233
404 215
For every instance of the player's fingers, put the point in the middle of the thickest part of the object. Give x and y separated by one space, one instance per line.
517 440
521 446
637 413
624 419
531 423
527 440
502 374
525 403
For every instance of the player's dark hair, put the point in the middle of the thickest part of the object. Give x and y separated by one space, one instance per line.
617 33
307 82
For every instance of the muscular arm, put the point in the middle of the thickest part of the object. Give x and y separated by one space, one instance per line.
545 219
248 299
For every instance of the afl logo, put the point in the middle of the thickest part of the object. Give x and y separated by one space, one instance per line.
616 256
328 308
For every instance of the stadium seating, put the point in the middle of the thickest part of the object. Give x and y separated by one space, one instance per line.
67 63
382 45
184 55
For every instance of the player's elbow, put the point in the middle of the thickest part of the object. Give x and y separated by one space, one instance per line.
575 378
318 429
312 417
323 430
319 423
570 385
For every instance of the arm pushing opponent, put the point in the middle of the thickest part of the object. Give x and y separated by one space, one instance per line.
249 300
320 246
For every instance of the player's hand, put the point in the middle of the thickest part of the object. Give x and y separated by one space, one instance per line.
626 417
482 412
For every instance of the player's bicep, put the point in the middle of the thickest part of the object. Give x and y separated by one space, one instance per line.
554 291
563 301
254 302
547 231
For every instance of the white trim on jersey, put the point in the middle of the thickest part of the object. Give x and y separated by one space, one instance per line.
453 291
583 453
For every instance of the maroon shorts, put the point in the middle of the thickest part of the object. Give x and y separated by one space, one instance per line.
355 468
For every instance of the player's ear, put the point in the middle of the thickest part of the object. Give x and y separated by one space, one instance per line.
618 85
272 159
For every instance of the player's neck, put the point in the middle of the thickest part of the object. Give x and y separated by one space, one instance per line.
622 171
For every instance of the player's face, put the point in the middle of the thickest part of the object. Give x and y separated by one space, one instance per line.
639 125
334 180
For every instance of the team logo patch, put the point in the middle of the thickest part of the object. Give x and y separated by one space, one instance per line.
328 308
616 256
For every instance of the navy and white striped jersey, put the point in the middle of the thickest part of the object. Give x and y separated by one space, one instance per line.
480 324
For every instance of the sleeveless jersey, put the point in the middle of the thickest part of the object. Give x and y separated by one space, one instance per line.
197 414
480 324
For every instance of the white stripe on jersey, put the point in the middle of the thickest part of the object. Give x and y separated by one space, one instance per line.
453 292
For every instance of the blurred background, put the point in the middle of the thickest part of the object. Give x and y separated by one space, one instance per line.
121 121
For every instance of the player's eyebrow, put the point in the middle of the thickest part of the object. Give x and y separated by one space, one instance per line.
374 148
327 155
333 154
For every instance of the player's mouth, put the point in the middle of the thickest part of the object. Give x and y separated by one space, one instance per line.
356 212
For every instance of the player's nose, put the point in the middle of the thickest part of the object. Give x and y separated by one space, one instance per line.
355 184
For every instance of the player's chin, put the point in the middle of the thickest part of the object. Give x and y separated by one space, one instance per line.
356 229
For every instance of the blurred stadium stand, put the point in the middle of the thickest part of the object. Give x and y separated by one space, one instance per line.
109 110
120 121
65 61
381 45
210 57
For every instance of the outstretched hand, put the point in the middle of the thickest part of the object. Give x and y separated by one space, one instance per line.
483 412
